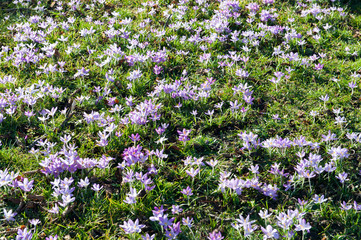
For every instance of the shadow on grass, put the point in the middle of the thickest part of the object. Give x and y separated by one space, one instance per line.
354 6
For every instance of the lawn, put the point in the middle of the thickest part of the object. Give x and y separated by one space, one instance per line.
184 119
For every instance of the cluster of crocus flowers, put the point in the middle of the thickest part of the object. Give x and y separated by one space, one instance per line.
141 50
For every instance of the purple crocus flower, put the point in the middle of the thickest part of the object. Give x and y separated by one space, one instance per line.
173 231
215 236
9 215
303 225
132 227
26 185
183 135
24 234
157 69
318 67
269 232
187 191
342 177
96 187
52 237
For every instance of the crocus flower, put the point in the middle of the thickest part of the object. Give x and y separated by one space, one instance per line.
215 236
269 232
26 185
187 191
132 227
9 215
303 225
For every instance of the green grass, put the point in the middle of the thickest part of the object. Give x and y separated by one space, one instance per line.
98 215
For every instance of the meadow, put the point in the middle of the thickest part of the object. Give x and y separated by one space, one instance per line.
180 119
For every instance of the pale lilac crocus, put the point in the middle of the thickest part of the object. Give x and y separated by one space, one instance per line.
96 187
9 215
26 185
215 236
269 232
303 225
342 177
130 227
187 191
